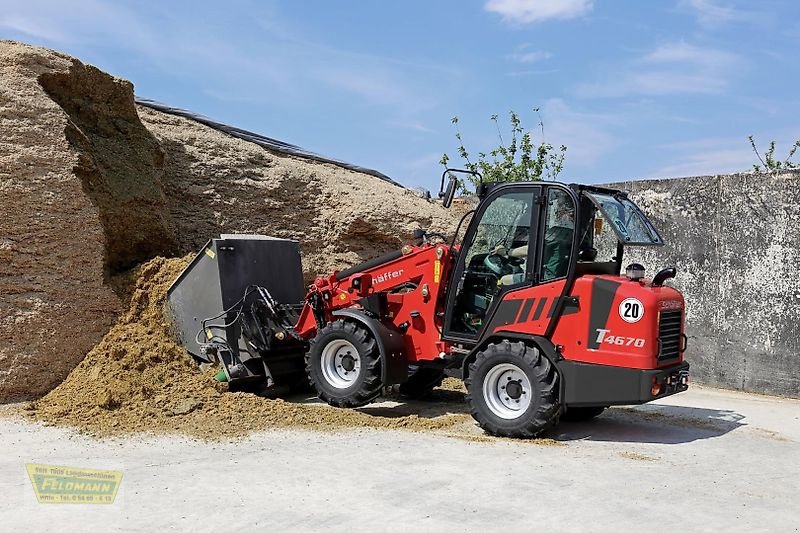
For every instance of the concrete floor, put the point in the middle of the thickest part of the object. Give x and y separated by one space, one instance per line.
705 460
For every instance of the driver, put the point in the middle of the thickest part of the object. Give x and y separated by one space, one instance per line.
558 242
520 253
557 247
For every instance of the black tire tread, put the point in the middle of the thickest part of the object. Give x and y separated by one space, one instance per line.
371 387
547 408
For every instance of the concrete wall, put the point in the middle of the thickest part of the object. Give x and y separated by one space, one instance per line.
735 240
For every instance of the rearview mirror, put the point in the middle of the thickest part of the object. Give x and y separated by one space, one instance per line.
447 194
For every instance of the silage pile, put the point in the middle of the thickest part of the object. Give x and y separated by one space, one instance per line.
92 185
138 379
215 183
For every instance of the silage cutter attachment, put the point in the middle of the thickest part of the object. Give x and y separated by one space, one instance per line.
236 304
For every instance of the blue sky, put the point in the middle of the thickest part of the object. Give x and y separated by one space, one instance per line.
634 88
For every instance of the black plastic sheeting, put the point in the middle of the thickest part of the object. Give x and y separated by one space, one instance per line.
266 142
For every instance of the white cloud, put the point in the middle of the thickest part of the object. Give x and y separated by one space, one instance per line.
586 135
703 157
526 55
418 170
290 68
530 72
373 86
711 10
706 163
413 125
674 68
88 21
33 28
528 11
531 56
710 13
682 52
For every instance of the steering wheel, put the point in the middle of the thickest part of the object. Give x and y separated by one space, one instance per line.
499 262
494 262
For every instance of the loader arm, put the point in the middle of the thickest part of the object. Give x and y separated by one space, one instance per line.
405 293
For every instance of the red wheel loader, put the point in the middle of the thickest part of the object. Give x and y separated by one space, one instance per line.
532 309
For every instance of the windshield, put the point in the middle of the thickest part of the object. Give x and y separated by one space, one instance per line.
504 223
630 225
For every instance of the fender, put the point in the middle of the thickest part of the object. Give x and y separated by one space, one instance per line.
544 344
394 364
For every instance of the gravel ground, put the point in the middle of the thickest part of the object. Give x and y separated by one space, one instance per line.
706 460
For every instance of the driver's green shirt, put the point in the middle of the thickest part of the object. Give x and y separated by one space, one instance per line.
557 247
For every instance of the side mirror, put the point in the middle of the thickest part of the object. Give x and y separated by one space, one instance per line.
447 194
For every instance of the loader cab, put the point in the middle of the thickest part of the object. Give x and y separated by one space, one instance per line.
536 233
498 253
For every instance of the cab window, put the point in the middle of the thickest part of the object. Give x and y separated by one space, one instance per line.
559 231
496 257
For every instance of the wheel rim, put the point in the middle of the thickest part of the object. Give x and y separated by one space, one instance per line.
340 363
507 391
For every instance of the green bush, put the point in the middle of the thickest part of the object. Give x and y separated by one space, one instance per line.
519 160
769 163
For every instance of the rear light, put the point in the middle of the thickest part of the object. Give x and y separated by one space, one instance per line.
655 390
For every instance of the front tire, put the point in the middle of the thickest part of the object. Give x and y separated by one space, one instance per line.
512 390
343 364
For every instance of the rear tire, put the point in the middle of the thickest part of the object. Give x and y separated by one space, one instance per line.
421 383
512 390
343 365
580 414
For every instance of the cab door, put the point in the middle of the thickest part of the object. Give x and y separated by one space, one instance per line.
497 256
